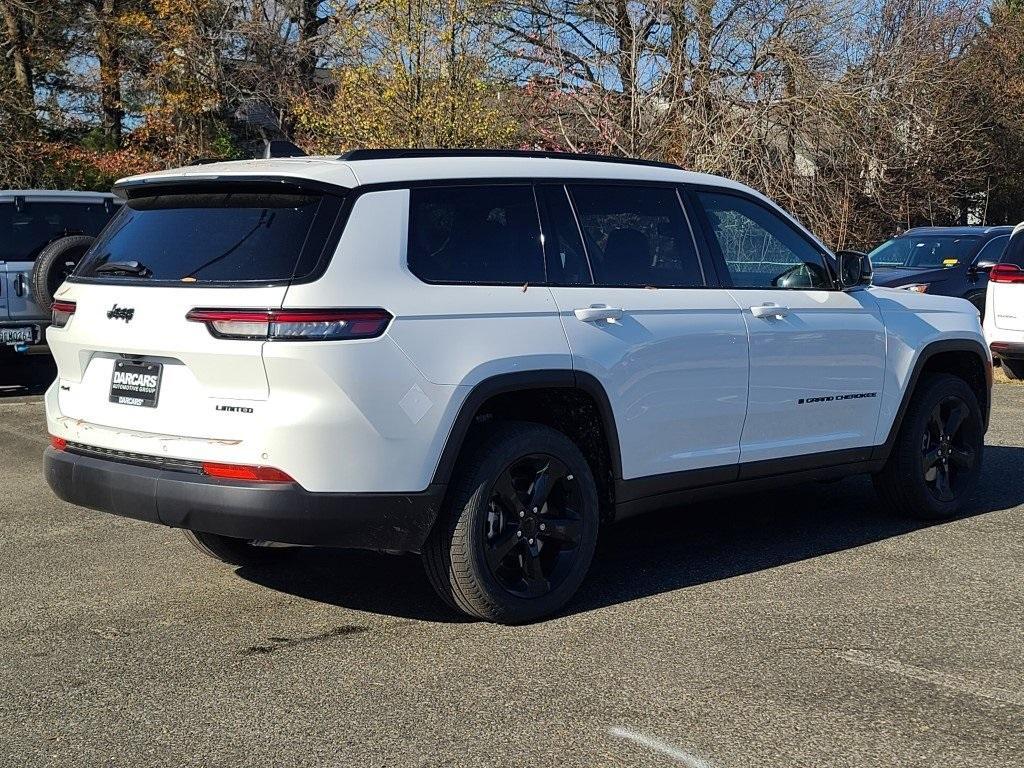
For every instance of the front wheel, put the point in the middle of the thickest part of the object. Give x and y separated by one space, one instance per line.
519 529
936 460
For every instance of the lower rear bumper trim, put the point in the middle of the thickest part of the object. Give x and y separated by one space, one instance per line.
282 512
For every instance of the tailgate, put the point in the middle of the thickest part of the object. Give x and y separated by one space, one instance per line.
1008 306
198 372
232 245
1007 283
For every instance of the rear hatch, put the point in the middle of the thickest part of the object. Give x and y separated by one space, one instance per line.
128 356
1007 279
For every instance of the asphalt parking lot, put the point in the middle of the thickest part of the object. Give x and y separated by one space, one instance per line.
802 628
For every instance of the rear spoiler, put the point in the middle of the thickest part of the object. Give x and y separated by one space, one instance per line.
144 187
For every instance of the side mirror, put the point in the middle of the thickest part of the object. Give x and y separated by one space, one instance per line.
854 269
985 265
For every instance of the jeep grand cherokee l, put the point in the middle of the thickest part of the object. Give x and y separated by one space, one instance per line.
484 358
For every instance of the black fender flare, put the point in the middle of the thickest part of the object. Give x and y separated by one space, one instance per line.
552 378
881 452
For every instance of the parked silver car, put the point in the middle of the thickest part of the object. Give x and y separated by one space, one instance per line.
43 234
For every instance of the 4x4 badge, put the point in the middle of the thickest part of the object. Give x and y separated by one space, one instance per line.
121 313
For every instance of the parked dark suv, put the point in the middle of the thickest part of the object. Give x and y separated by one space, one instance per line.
949 261
43 234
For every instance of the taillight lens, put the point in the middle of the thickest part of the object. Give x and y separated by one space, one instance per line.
293 324
1006 273
246 472
58 443
62 312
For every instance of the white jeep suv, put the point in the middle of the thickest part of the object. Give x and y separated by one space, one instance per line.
483 357
1004 320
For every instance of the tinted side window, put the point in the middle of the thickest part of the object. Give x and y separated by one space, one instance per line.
636 236
993 249
762 250
475 234
563 248
24 233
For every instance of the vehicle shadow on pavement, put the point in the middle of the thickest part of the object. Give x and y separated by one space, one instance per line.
658 552
22 375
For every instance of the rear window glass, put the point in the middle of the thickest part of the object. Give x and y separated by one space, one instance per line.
215 237
24 233
1014 253
475 234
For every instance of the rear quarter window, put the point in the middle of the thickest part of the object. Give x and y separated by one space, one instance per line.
475 234
222 236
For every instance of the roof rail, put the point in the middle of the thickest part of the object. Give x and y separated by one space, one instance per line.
397 154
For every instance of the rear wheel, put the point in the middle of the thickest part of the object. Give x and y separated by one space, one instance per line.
936 460
519 528
237 552
1014 369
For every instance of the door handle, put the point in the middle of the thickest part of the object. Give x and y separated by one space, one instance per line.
597 312
769 309
19 284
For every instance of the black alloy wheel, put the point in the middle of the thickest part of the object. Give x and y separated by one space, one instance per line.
936 457
533 528
519 526
947 451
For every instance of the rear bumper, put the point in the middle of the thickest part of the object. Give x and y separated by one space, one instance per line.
1009 349
282 512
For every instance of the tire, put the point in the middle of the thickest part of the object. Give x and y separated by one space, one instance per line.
908 484
54 263
1014 369
490 554
235 552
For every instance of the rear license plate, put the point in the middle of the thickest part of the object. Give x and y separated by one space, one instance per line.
26 334
135 383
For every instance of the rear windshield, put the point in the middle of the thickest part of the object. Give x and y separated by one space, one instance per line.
215 237
25 232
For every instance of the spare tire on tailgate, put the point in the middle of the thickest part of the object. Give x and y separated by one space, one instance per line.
53 264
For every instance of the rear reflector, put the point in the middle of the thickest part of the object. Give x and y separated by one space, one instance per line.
62 312
246 472
58 443
293 324
1006 273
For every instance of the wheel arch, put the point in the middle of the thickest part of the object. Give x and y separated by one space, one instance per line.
965 358
504 391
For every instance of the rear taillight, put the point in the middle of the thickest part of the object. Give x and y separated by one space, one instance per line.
293 324
61 313
246 472
58 443
1006 273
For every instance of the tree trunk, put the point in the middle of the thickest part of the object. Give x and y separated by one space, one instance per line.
108 52
21 56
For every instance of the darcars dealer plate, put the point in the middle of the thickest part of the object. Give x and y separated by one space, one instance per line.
135 383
